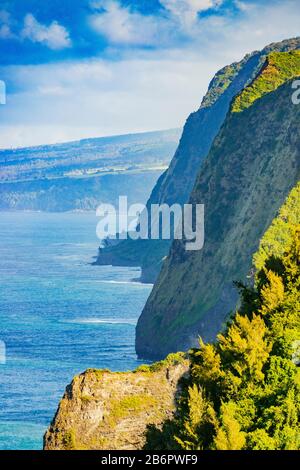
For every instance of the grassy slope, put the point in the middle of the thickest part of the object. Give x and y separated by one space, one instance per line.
279 235
278 69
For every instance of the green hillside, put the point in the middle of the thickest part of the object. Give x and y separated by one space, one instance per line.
280 234
176 184
252 166
278 69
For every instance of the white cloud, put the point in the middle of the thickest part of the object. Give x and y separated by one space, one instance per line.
5 25
187 10
146 90
99 98
5 32
243 6
4 17
121 26
53 36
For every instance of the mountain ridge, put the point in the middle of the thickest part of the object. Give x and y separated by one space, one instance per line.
175 185
80 175
255 157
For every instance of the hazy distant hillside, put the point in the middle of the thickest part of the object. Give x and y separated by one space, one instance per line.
79 175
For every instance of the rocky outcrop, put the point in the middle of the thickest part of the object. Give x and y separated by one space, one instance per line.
105 410
176 184
252 166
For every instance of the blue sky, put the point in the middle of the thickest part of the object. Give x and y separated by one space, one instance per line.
34 31
82 68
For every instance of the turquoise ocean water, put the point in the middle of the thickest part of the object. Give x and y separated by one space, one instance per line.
58 316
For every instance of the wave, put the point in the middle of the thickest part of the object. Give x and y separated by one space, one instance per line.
81 245
134 283
105 321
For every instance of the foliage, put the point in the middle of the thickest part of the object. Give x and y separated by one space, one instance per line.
279 234
69 441
221 81
171 360
279 68
122 408
244 390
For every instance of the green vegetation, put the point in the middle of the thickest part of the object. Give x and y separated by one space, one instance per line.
112 410
86 399
122 408
69 441
221 81
244 390
98 373
280 233
171 360
279 68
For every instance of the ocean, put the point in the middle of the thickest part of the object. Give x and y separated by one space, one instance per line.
58 316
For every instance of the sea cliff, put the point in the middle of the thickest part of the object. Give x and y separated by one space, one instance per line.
105 410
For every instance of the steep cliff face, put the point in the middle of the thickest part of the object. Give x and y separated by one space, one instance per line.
105 410
176 184
253 164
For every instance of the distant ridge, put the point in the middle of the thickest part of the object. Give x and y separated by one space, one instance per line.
79 175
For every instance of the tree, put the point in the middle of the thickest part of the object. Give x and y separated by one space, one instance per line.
244 390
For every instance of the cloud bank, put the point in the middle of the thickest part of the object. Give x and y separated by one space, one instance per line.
150 73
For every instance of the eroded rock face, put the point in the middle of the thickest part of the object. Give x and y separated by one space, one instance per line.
102 410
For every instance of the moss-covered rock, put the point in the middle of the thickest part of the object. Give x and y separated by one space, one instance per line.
105 410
